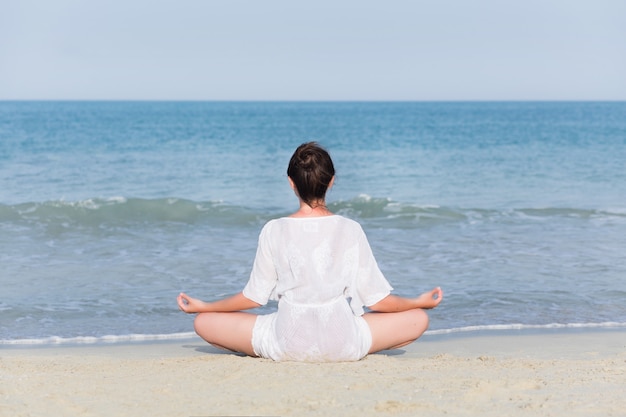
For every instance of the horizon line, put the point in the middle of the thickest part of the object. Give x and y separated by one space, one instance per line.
312 100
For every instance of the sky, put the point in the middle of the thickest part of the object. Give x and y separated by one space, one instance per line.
312 50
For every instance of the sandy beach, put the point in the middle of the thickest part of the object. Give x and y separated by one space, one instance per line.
510 373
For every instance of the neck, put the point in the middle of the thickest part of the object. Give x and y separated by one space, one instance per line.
316 209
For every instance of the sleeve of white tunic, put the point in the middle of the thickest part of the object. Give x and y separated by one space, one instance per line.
369 285
263 278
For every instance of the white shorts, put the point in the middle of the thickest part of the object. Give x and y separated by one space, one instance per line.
312 333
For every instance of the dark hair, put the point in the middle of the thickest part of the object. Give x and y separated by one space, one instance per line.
311 169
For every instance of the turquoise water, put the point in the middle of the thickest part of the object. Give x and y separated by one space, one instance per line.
109 209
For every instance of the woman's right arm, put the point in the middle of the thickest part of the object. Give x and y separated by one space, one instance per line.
393 303
236 302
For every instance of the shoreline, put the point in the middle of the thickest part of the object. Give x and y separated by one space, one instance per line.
575 373
469 331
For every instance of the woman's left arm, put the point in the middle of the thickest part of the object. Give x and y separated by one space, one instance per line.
236 302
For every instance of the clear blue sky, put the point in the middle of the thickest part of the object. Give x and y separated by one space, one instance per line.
313 50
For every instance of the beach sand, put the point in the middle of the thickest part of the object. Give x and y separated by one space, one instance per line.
561 373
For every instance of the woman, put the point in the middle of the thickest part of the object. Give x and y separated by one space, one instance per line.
320 268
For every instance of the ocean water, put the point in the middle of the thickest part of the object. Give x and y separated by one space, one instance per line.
109 209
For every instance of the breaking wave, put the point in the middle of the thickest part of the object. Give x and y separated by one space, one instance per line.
118 211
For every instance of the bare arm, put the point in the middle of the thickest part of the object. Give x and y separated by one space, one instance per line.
393 303
236 302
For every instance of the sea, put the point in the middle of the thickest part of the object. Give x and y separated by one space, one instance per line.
108 210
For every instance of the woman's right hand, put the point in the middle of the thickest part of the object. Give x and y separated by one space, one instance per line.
430 299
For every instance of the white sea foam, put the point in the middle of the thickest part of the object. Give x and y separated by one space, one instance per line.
86 340
117 199
519 326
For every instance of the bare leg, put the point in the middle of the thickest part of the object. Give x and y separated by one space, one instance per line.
231 331
394 330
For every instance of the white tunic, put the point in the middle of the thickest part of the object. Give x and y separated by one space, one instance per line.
312 266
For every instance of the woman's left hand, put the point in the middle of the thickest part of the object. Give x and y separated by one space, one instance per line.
188 304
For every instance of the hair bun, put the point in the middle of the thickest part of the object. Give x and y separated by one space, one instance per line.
307 160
